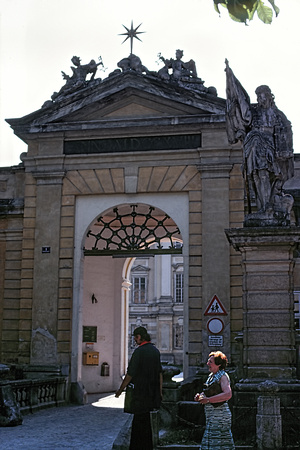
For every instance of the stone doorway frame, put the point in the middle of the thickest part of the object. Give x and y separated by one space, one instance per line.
88 208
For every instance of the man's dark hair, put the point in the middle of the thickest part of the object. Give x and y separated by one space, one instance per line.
143 333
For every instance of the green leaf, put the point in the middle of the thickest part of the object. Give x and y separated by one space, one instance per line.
238 10
244 10
264 13
276 9
217 2
253 11
217 8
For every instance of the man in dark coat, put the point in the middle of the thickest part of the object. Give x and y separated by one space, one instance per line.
145 373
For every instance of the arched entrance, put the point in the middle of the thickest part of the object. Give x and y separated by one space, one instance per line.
107 308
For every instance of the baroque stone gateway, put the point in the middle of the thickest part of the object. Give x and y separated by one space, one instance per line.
152 148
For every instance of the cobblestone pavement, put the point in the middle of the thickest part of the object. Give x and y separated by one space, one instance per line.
92 426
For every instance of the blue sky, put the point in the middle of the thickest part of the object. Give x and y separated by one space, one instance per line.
39 38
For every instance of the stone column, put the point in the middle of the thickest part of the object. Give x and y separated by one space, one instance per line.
165 308
268 334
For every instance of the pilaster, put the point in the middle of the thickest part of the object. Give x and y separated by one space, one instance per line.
268 320
46 267
215 180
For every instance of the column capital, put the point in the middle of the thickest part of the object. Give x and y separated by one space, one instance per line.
49 177
214 170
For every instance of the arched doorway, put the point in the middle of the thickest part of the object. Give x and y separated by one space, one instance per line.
101 284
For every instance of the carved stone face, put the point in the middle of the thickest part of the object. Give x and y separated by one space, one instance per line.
76 61
179 54
264 98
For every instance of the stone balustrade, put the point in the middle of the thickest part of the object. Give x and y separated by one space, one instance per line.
32 395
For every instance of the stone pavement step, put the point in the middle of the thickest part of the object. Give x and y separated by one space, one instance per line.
94 426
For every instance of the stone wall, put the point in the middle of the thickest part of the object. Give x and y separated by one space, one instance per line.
11 235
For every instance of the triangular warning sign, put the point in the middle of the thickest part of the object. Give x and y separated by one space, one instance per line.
215 308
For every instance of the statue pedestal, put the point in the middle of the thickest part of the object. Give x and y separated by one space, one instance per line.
268 305
268 423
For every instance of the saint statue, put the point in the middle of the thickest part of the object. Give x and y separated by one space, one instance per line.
267 140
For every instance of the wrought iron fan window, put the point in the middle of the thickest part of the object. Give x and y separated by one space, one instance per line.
133 229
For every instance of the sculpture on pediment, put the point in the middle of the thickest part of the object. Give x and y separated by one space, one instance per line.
268 160
180 70
78 78
80 71
133 62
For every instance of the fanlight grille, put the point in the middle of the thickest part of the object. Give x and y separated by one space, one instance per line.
134 229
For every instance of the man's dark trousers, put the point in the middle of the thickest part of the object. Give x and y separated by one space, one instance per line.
141 432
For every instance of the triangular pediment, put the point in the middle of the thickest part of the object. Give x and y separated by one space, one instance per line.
132 104
125 96
131 110
140 268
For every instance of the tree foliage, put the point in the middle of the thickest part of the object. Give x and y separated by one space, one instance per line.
244 10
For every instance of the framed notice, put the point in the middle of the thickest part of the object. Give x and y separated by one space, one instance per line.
215 341
89 334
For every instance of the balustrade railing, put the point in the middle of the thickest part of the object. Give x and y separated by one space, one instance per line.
39 393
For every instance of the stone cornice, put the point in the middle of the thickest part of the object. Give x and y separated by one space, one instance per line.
243 238
127 124
70 112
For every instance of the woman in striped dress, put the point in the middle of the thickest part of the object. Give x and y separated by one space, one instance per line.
217 435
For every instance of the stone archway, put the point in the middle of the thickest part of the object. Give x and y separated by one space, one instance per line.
90 208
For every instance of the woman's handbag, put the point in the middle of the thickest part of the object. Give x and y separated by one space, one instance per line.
213 389
128 403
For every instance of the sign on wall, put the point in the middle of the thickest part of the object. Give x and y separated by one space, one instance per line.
215 308
89 334
132 144
215 325
215 341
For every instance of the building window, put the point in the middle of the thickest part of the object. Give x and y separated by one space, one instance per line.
139 290
178 287
297 309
